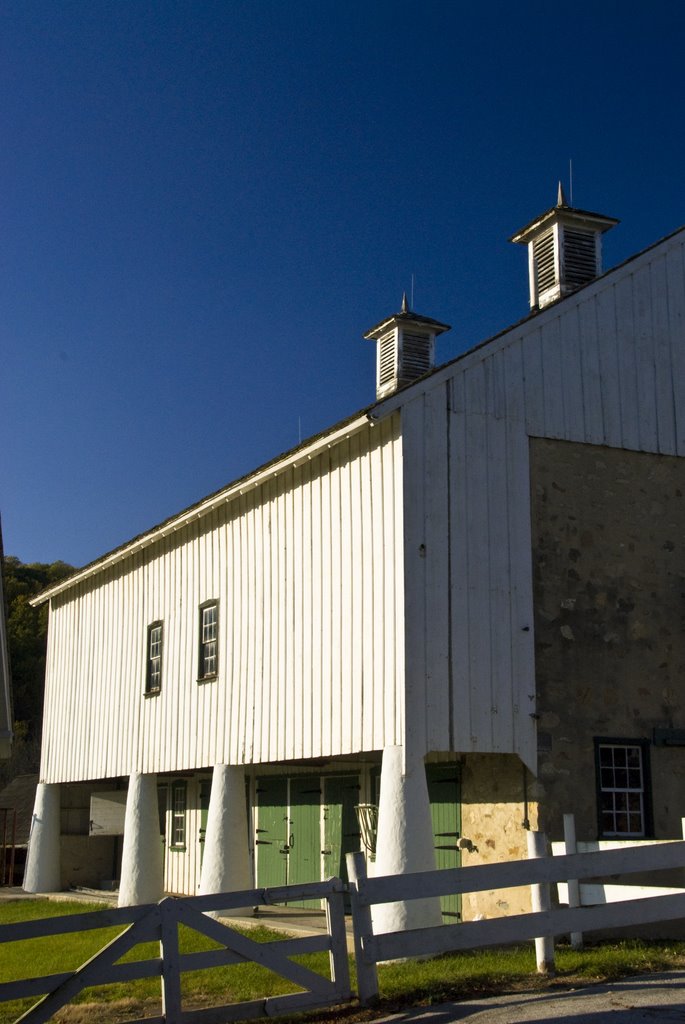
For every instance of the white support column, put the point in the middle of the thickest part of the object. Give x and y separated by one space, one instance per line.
405 840
226 859
42 872
142 861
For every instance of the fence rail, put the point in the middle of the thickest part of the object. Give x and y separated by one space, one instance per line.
370 949
588 894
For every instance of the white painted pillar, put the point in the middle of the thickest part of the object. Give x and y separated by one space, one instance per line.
405 840
142 861
42 872
226 859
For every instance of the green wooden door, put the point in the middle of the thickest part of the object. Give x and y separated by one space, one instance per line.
444 793
341 828
273 829
205 790
304 857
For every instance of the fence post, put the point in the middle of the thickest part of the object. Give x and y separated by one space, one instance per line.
335 923
367 975
541 901
570 846
171 967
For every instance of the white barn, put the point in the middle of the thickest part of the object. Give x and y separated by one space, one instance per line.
406 589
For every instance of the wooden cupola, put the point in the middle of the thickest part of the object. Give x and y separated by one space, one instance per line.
564 250
405 348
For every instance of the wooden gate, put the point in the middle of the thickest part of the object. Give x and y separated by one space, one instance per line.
160 922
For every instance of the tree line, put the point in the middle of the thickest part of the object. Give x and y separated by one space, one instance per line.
27 630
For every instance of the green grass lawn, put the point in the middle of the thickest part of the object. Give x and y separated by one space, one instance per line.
451 977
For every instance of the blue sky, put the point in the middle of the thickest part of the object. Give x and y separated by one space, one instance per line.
205 205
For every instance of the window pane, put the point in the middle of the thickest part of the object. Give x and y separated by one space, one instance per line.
208 640
154 658
178 824
621 782
209 624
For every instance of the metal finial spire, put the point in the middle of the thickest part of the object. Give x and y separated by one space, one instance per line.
405 307
561 198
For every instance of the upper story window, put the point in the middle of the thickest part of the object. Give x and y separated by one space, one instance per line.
153 675
622 778
209 635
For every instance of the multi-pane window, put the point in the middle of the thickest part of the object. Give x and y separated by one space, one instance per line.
153 677
209 626
178 814
621 771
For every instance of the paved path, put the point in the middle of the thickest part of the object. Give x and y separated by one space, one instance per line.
647 999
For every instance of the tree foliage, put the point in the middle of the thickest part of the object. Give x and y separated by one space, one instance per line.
26 640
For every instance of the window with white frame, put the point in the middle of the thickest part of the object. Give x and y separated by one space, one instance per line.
622 773
153 676
178 815
209 635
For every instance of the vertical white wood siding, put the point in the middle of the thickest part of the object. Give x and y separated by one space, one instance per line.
308 573
604 367
390 555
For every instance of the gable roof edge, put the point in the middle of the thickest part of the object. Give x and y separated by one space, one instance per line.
292 458
509 334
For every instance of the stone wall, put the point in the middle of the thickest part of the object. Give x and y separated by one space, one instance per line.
499 802
609 578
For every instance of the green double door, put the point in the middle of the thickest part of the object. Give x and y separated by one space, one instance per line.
305 826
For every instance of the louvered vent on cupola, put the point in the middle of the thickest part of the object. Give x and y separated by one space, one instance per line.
564 250
387 359
417 354
405 348
543 258
581 257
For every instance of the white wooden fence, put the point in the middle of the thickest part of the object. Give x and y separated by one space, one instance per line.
589 894
160 922
541 925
